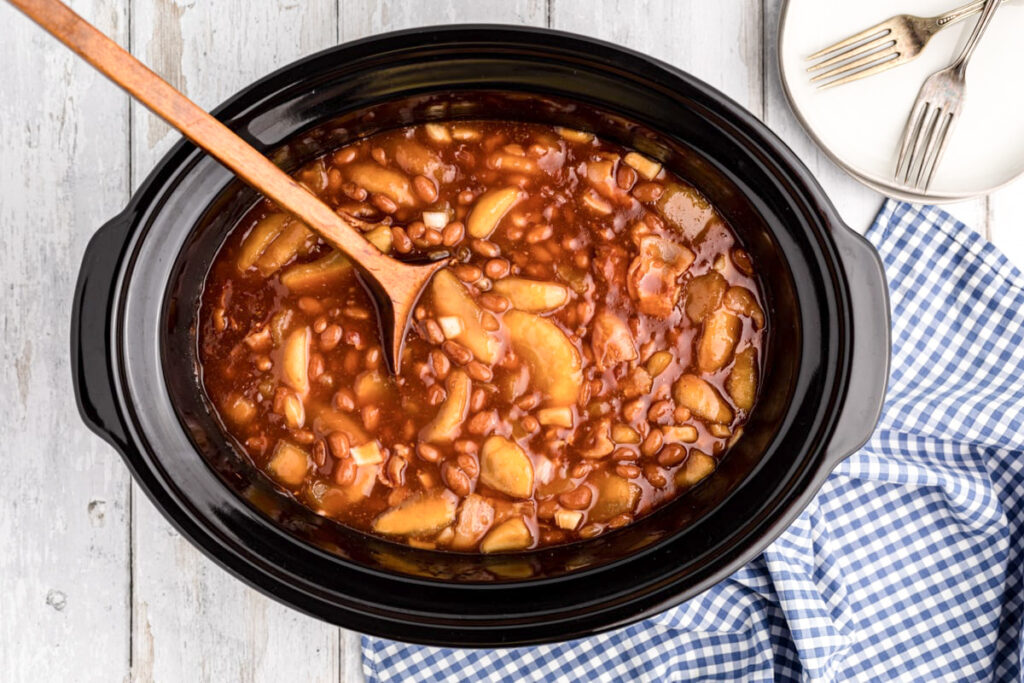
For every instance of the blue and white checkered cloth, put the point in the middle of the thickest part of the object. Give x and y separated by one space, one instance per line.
907 566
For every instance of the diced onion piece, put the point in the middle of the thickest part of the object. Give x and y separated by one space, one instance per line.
644 166
451 326
289 464
368 453
556 417
568 519
573 135
435 219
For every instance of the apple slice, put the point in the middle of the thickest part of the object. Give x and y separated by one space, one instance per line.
490 208
615 495
533 296
476 516
446 425
373 177
721 332
418 515
512 534
697 467
450 298
262 234
556 369
702 399
295 361
505 467
742 382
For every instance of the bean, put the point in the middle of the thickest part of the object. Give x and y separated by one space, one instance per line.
489 322
528 402
416 230
352 361
633 410
671 455
477 400
316 365
589 531
468 464
466 197
379 156
428 452
320 453
742 261
345 472
303 436
653 474
344 156
434 333
455 479
373 358
659 411
539 233
478 371
627 471
482 422
681 414
648 192
652 444
396 470
345 400
383 202
419 313
320 324
465 446
457 352
354 192
619 521
530 424
436 394
577 499
400 240
625 177
547 507
467 272
580 469
497 268
309 305
432 238
623 454
453 233
339 444
440 363
485 248
371 417
356 313
425 188
495 302
263 363
581 259
330 337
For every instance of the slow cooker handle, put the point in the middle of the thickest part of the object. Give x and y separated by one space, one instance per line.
869 368
93 373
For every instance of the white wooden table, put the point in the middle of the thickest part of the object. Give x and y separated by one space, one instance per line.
94 584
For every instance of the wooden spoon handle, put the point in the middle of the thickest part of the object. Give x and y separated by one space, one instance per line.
204 130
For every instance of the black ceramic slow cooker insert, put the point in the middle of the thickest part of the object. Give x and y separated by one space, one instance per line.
135 320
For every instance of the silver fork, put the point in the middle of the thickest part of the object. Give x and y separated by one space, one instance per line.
895 41
936 111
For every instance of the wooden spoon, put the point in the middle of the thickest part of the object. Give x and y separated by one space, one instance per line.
394 286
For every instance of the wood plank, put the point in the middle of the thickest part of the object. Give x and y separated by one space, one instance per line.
360 18
191 620
64 555
725 50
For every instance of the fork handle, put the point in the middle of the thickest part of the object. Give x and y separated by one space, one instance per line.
955 16
989 11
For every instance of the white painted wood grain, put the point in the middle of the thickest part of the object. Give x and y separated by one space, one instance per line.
84 598
64 612
191 620
359 18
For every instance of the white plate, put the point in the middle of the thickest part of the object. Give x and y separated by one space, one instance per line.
859 124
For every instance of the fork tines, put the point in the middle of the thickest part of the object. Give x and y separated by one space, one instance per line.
869 52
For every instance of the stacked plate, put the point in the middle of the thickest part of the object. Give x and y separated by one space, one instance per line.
859 124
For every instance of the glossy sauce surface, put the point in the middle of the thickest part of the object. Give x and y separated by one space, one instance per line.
591 356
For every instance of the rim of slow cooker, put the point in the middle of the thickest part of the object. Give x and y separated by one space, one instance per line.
182 157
